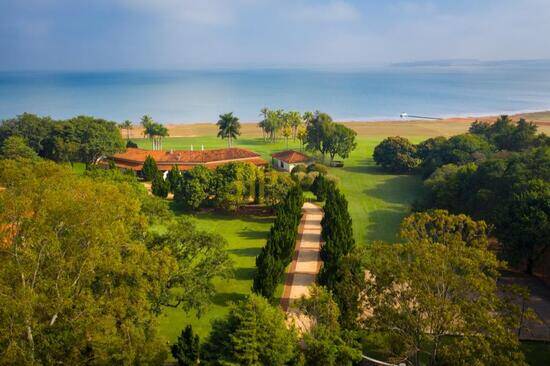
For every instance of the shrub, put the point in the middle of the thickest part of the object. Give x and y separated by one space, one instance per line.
316 167
308 180
300 168
298 177
131 144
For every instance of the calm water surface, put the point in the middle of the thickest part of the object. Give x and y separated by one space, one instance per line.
191 96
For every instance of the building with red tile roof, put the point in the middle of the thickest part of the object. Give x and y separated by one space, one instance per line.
288 159
133 158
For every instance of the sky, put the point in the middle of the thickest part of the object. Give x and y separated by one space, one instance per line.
180 34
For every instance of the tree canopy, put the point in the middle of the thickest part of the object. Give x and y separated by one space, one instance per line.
436 295
396 154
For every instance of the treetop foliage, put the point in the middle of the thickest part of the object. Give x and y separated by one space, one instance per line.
89 287
79 139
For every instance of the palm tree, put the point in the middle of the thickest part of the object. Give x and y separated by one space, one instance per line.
295 120
154 131
263 123
308 117
229 127
126 125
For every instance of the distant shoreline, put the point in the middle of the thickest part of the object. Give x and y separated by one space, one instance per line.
425 128
528 113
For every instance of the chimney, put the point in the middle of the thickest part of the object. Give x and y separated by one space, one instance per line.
202 147
171 151
191 147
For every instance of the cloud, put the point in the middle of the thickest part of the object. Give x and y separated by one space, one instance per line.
331 12
202 12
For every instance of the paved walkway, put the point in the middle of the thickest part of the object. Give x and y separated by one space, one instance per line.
306 262
539 301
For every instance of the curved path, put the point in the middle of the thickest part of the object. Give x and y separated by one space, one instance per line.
306 262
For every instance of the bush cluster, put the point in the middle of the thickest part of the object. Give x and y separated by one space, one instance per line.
279 249
498 172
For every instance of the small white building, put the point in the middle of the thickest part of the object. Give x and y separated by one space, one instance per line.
288 159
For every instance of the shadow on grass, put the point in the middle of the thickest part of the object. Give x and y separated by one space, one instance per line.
245 252
384 225
226 298
244 273
252 234
400 189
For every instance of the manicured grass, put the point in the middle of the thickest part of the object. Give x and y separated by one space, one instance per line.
377 203
245 235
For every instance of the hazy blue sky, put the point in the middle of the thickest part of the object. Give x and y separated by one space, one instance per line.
151 34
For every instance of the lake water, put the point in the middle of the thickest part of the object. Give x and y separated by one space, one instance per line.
195 96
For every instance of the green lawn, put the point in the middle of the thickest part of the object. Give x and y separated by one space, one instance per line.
377 200
245 236
377 203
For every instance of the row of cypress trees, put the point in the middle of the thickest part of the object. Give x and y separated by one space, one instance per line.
279 249
337 233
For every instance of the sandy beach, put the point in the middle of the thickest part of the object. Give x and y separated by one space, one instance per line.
430 128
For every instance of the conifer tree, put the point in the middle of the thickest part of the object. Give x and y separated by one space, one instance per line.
150 169
174 178
279 249
160 187
186 350
337 233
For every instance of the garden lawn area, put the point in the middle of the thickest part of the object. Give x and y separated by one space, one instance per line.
377 203
245 235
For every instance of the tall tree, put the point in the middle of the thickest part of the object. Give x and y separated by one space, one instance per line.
15 147
126 125
295 121
229 128
317 131
253 333
154 131
439 298
341 141
337 233
325 342
149 170
186 350
76 287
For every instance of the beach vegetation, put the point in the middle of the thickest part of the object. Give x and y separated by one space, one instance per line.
154 131
127 126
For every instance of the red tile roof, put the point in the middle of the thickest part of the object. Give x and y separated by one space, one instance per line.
134 158
291 156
